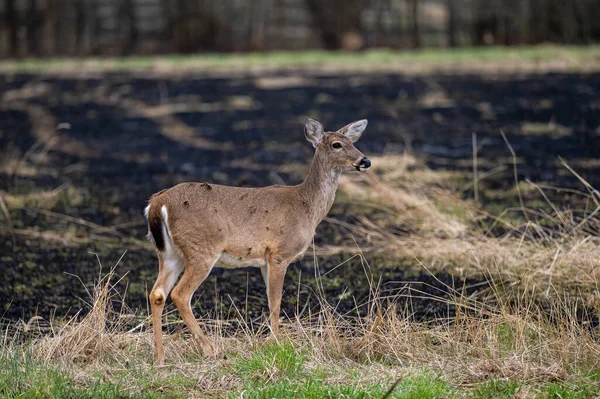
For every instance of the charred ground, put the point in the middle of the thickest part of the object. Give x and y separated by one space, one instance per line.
81 155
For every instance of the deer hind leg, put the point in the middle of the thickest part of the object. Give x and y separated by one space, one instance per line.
169 268
197 269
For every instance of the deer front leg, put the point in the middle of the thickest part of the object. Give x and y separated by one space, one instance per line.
265 275
275 273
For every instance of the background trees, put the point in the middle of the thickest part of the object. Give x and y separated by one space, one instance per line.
121 27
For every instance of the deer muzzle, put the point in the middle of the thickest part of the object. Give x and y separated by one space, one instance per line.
364 164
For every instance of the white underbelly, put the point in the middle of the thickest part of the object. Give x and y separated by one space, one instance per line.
231 262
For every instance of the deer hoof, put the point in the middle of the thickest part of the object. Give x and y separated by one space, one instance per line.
208 351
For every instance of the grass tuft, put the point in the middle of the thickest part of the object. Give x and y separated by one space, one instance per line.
496 389
420 386
269 362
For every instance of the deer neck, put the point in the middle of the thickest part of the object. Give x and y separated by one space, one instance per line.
319 187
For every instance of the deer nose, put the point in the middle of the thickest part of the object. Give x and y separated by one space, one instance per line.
363 165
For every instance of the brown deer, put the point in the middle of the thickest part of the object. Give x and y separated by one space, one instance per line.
196 226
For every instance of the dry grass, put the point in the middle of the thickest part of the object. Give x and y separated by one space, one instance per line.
64 194
520 342
549 250
530 328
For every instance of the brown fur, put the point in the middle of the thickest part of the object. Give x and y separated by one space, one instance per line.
269 227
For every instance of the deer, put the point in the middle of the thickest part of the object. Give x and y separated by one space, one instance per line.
197 226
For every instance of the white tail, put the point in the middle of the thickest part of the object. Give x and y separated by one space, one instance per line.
196 226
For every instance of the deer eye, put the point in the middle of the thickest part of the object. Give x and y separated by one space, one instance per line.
337 145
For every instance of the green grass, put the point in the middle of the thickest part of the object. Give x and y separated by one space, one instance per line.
22 377
496 389
569 391
573 55
275 370
581 388
422 386
269 371
269 362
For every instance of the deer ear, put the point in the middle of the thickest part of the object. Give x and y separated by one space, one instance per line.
313 131
354 130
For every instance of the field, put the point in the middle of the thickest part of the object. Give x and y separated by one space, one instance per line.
448 271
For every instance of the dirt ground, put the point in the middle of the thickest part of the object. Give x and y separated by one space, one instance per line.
81 155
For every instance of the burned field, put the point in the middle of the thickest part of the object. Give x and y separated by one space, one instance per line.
82 154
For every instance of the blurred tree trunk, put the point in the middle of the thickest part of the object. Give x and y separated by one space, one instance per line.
415 36
582 21
278 18
130 24
256 35
486 23
537 20
216 34
335 19
33 28
196 28
378 33
508 13
166 7
571 26
522 22
80 27
63 39
49 27
12 26
179 26
94 27
451 4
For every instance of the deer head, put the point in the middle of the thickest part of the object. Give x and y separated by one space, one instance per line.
338 147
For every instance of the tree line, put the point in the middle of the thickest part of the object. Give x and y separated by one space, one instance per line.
46 28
